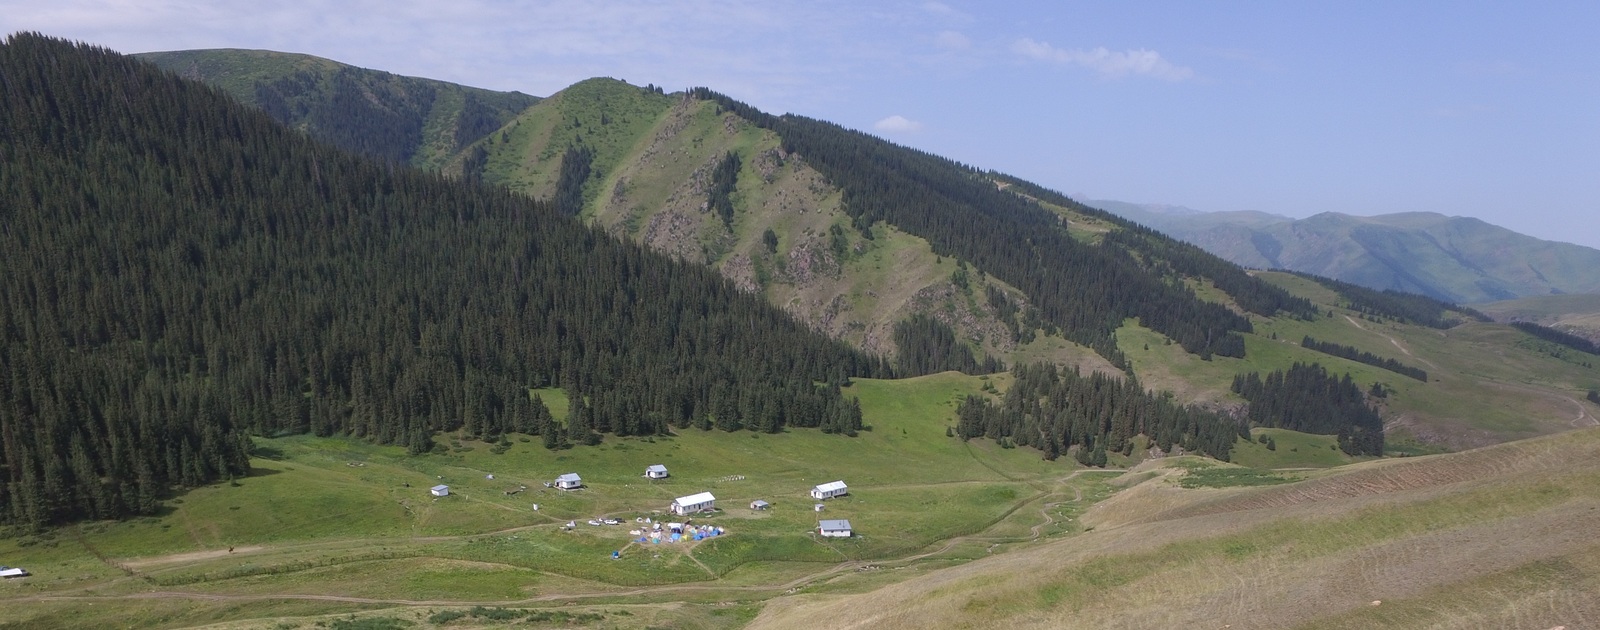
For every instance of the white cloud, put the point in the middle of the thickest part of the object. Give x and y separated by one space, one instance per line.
951 40
897 124
1108 63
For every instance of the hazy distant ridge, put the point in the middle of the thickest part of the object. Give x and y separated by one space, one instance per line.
1458 259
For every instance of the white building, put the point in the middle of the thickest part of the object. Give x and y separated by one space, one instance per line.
569 481
693 503
656 471
13 572
758 504
440 490
834 529
829 490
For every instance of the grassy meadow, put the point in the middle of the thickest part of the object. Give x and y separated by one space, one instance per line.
333 517
343 533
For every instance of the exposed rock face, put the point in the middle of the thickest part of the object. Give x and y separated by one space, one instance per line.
808 262
741 270
971 319
672 231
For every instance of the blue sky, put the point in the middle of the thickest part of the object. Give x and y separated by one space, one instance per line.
1488 110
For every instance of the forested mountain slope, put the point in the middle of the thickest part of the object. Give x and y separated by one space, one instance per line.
181 270
776 202
405 119
1457 259
704 185
818 218
946 266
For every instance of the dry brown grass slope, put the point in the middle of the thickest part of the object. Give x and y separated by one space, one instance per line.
1499 537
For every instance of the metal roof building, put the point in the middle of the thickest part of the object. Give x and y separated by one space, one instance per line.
693 503
829 490
834 528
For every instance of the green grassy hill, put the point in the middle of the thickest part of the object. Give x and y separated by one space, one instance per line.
1498 537
653 158
1487 382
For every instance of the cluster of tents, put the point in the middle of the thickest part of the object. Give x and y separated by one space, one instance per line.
676 532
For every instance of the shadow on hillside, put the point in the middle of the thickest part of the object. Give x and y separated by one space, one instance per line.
267 452
257 471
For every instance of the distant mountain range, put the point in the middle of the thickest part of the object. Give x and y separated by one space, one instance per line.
1456 259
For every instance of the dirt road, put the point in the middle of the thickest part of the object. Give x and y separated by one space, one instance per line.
1392 340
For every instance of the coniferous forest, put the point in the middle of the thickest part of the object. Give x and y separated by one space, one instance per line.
1558 337
1053 410
1309 399
380 114
1353 354
181 272
926 345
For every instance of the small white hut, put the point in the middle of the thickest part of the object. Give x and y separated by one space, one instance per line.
440 490
829 490
834 529
655 471
758 504
693 503
569 481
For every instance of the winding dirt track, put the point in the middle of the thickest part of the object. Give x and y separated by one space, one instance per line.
189 557
1392 340
1581 419
778 588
